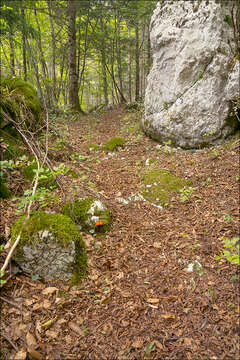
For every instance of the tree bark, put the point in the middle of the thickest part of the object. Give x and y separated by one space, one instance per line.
12 54
73 79
137 80
103 62
53 48
129 67
23 43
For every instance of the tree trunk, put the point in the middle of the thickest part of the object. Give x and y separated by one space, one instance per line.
73 79
53 49
129 67
12 54
23 43
137 63
103 61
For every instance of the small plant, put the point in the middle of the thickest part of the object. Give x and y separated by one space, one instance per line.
165 106
2 272
228 217
185 193
233 253
216 153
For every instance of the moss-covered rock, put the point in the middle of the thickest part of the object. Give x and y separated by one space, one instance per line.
91 214
51 246
5 193
30 171
19 100
113 144
160 185
11 146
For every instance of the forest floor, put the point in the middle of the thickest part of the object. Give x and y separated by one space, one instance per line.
138 301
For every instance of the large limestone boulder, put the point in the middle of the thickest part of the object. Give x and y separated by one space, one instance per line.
195 74
51 246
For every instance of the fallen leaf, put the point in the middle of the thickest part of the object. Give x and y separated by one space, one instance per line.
49 322
46 304
36 307
31 341
76 328
125 293
169 316
188 341
157 245
153 300
35 354
125 323
52 334
21 355
29 302
49 290
137 344
158 345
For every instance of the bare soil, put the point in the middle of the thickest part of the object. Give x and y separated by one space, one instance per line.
138 301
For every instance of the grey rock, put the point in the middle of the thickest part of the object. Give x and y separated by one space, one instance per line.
44 256
193 78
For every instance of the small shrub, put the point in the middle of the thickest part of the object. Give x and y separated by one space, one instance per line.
233 253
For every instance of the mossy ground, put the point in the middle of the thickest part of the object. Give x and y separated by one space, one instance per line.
5 193
62 228
113 144
97 220
160 185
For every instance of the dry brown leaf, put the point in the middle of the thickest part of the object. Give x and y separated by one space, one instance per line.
137 344
79 320
75 328
36 307
46 304
157 245
49 290
31 341
52 334
105 300
125 323
158 345
187 341
36 355
20 355
153 300
169 316
29 302
125 293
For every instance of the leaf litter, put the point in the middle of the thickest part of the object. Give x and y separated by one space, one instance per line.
137 301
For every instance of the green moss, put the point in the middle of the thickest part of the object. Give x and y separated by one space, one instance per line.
30 171
5 193
62 228
87 213
113 144
19 100
94 147
13 146
160 185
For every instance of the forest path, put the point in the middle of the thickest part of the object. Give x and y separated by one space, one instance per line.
138 301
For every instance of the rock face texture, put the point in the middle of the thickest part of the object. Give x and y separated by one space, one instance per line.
194 75
50 246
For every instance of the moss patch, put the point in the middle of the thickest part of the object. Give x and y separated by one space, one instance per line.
89 213
63 229
5 193
113 144
93 147
160 185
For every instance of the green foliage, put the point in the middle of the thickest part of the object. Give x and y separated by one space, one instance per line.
46 177
233 253
5 193
113 144
186 193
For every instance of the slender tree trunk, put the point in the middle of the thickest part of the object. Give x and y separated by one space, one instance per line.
137 63
103 61
129 67
23 43
118 55
73 80
12 54
53 48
